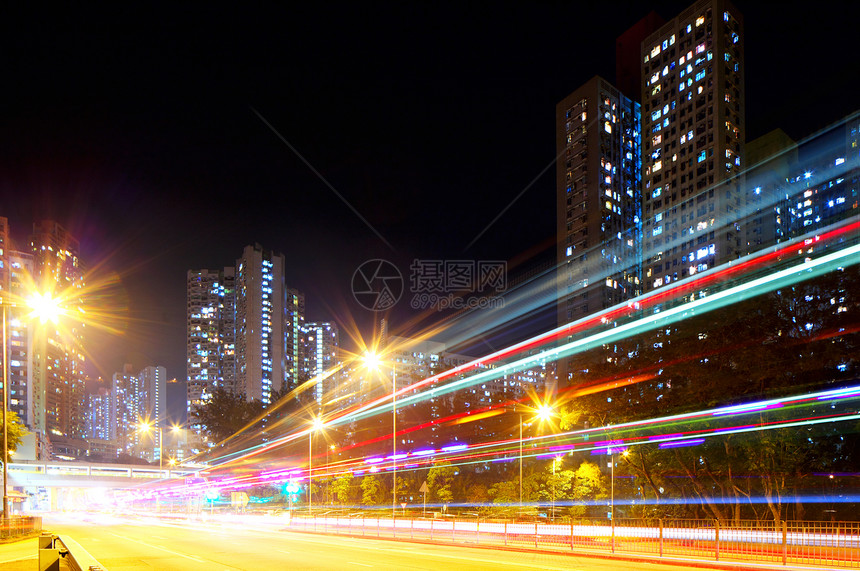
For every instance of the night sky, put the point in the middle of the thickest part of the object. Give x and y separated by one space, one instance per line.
136 129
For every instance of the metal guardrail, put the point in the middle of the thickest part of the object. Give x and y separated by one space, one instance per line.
54 547
19 526
834 544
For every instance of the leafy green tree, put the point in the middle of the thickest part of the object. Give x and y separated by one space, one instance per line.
507 492
440 479
226 413
588 483
477 494
341 489
15 432
372 492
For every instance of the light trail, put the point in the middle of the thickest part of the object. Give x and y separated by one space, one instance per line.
572 442
803 269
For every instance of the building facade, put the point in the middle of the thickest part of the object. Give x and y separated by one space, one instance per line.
56 361
598 200
293 326
260 311
319 354
210 333
693 132
125 410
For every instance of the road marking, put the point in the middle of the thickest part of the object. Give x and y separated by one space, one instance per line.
18 559
197 559
362 564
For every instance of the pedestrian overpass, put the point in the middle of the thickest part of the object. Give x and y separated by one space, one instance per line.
56 485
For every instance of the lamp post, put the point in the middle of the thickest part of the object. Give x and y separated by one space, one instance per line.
521 461
373 360
45 307
146 427
394 440
612 481
317 425
554 461
328 477
544 412
5 423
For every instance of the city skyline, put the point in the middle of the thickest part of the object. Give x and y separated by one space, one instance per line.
142 168
443 271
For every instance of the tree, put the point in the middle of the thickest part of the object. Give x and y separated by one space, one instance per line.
440 478
507 492
225 413
15 432
372 493
477 494
341 489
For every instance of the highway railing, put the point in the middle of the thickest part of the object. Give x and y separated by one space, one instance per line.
54 548
19 526
834 544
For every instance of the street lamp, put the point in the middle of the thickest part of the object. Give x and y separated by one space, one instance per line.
543 412
328 477
611 451
146 427
556 459
5 419
316 426
373 361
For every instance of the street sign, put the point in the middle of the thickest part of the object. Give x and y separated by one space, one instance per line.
424 489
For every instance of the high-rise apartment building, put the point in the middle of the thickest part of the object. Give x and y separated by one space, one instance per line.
692 142
153 396
293 324
260 311
19 329
771 159
210 332
45 360
319 354
125 410
598 200
99 419
57 360
796 190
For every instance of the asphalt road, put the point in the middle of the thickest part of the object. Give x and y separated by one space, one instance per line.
137 543
122 544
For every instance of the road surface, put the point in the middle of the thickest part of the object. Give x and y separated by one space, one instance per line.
130 544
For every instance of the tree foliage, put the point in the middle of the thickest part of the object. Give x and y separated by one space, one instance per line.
226 413
440 480
15 431
372 491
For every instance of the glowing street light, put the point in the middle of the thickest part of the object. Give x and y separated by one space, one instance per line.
543 412
146 428
45 307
